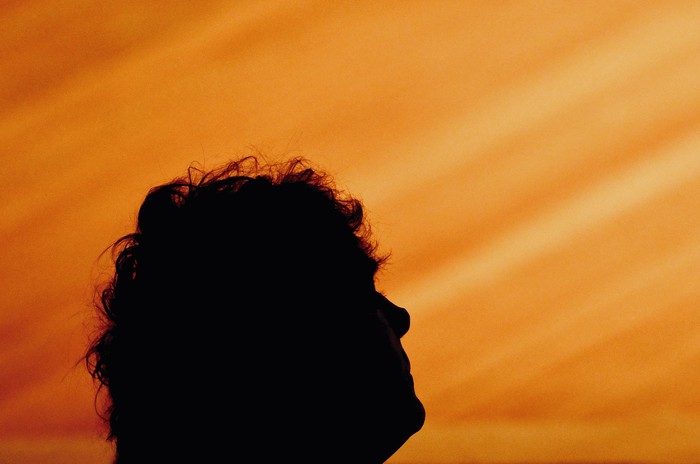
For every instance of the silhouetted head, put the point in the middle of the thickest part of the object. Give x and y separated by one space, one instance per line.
242 317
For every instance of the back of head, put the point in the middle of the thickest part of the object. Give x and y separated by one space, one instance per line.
237 319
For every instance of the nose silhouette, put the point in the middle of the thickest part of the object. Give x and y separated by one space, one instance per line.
397 317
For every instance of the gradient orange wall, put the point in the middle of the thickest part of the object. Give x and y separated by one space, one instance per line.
533 166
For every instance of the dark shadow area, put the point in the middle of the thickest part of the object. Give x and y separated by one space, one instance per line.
242 319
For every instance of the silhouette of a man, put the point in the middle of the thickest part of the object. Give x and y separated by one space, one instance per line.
242 324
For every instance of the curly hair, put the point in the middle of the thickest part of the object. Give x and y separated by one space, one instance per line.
239 259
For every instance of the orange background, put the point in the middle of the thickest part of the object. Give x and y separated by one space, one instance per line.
533 166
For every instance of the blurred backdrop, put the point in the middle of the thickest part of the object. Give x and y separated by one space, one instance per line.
532 166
